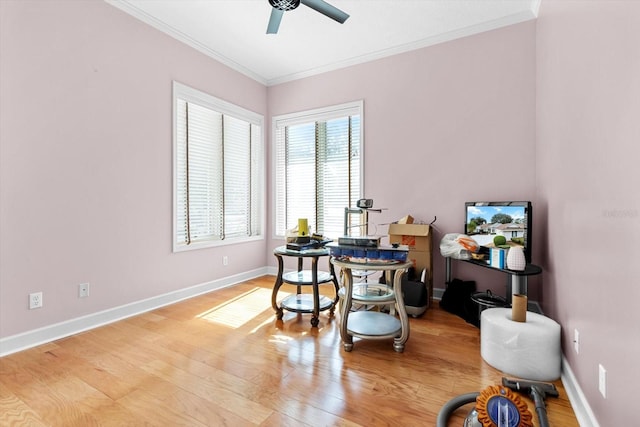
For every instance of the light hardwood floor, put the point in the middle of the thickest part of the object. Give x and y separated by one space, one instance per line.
222 359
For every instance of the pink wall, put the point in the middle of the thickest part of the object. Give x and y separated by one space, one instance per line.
588 130
446 124
86 187
86 163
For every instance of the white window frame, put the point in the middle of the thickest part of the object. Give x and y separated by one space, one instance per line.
308 116
191 95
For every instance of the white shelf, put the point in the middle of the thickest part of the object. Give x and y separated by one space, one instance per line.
373 324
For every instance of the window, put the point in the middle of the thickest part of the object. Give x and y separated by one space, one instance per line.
318 167
218 171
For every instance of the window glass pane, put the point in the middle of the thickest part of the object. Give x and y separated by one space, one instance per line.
237 177
257 179
355 176
181 173
280 183
204 164
334 174
301 174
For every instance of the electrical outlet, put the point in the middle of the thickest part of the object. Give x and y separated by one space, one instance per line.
225 260
576 340
83 290
602 380
35 300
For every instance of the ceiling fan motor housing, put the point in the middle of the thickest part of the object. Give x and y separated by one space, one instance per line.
284 4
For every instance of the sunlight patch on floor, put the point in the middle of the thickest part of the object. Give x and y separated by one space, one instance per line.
257 328
280 339
239 310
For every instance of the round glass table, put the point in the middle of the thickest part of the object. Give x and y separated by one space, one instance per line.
373 324
300 302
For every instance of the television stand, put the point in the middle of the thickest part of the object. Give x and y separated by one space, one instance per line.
517 281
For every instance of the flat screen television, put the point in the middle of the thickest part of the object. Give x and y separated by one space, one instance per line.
484 221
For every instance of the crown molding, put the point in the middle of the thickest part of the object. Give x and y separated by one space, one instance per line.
420 44
137 13
517 18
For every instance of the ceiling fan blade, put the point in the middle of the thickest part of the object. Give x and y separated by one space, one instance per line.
274 21
326 9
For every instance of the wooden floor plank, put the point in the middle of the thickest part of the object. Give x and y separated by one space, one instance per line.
223 359
14 412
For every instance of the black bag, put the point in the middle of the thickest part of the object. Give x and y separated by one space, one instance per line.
457 300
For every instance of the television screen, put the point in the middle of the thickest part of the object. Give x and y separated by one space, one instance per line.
505 224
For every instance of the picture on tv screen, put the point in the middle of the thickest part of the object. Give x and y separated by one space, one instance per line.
500 224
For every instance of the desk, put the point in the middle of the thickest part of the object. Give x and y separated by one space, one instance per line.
304 303
517 282
373 324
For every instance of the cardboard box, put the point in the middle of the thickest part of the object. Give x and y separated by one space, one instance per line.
418 238
406 220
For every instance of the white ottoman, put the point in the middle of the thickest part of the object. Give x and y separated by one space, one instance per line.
528 350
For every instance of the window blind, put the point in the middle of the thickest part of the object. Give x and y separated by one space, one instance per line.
318 167
218 172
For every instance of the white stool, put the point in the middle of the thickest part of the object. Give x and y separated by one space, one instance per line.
528 350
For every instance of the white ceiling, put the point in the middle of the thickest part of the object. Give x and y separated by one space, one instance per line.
234 31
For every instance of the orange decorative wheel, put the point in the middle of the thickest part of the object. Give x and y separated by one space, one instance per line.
499 406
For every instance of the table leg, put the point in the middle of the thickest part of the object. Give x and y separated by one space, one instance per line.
345 309
398 342
390 280
332 271
276 287
316 297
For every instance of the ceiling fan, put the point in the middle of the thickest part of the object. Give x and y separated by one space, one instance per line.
281 6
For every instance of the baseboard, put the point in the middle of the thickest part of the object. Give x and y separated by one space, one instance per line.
272 271
29 339
437 293
578 400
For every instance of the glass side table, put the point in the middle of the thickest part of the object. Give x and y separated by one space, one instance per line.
373 324
312 303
